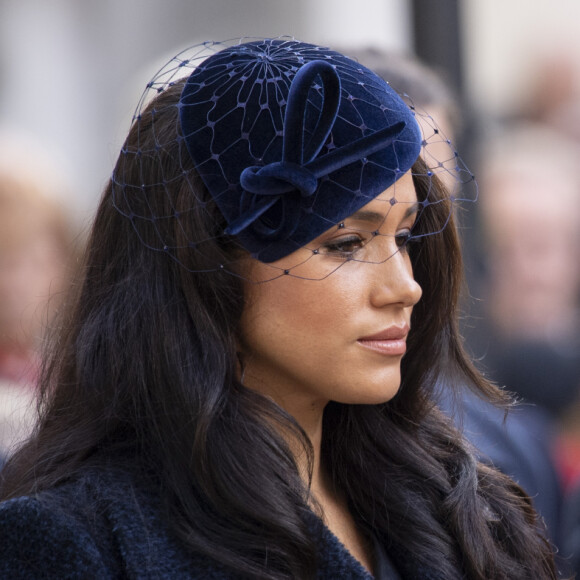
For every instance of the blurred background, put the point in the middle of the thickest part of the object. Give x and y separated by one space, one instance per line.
502 78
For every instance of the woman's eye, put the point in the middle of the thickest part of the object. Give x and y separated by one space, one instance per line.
343 246
403 238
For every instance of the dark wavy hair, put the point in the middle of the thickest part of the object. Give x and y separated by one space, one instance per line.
144 366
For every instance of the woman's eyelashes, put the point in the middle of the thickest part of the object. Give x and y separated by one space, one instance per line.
345 246
348 245
403 238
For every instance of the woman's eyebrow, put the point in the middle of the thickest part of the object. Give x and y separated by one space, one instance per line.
412 209
376 217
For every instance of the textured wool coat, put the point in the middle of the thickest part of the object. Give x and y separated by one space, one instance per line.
108 524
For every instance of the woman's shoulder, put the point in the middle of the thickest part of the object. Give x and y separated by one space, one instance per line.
104 523
83 501
41 540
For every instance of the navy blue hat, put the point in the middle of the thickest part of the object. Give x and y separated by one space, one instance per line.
291 138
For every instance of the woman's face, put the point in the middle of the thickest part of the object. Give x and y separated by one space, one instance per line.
336 328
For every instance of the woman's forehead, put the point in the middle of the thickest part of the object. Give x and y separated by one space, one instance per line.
402 190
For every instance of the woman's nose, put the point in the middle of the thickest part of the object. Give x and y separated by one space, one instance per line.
395 283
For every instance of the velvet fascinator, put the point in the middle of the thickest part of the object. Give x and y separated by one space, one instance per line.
291 138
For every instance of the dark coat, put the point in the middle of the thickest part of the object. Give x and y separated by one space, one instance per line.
107 524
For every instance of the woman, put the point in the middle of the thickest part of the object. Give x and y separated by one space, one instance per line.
237 391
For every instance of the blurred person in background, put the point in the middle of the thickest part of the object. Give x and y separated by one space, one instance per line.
530 217
530 221
36 241
553 100
553 95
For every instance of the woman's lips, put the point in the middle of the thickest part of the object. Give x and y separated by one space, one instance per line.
392 341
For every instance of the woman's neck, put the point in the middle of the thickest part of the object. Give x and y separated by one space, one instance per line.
326 499
310 419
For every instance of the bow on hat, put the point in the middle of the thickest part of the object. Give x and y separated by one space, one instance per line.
300 169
